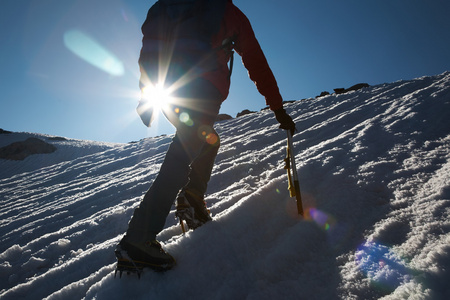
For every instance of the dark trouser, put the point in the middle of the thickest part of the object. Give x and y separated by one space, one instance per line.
189 160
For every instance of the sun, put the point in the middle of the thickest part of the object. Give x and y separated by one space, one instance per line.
156 96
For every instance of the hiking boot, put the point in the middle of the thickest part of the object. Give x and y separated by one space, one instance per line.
133 257
191 209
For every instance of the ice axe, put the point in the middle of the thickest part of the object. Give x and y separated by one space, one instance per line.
294 186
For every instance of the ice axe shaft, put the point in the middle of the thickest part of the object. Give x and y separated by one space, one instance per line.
294 186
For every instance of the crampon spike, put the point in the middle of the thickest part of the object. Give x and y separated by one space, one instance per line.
183 228
129 267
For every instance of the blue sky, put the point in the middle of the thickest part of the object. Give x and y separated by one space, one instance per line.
311 46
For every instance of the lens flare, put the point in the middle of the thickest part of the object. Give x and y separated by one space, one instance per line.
124 15
92 52
186 119
207 133
321 218
212 138
382 265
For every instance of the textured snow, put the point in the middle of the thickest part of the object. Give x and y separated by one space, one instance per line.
374 169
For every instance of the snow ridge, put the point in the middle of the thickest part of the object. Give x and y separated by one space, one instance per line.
374 168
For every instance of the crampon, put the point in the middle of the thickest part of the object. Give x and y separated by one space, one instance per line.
192 211
129 266
187 214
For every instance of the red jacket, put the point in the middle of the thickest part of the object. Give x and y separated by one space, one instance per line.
236 24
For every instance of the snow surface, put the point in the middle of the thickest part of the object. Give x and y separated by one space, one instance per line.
374 169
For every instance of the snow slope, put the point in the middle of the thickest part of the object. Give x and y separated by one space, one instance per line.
374 169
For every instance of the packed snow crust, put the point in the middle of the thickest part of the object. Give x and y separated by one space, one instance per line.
374 170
